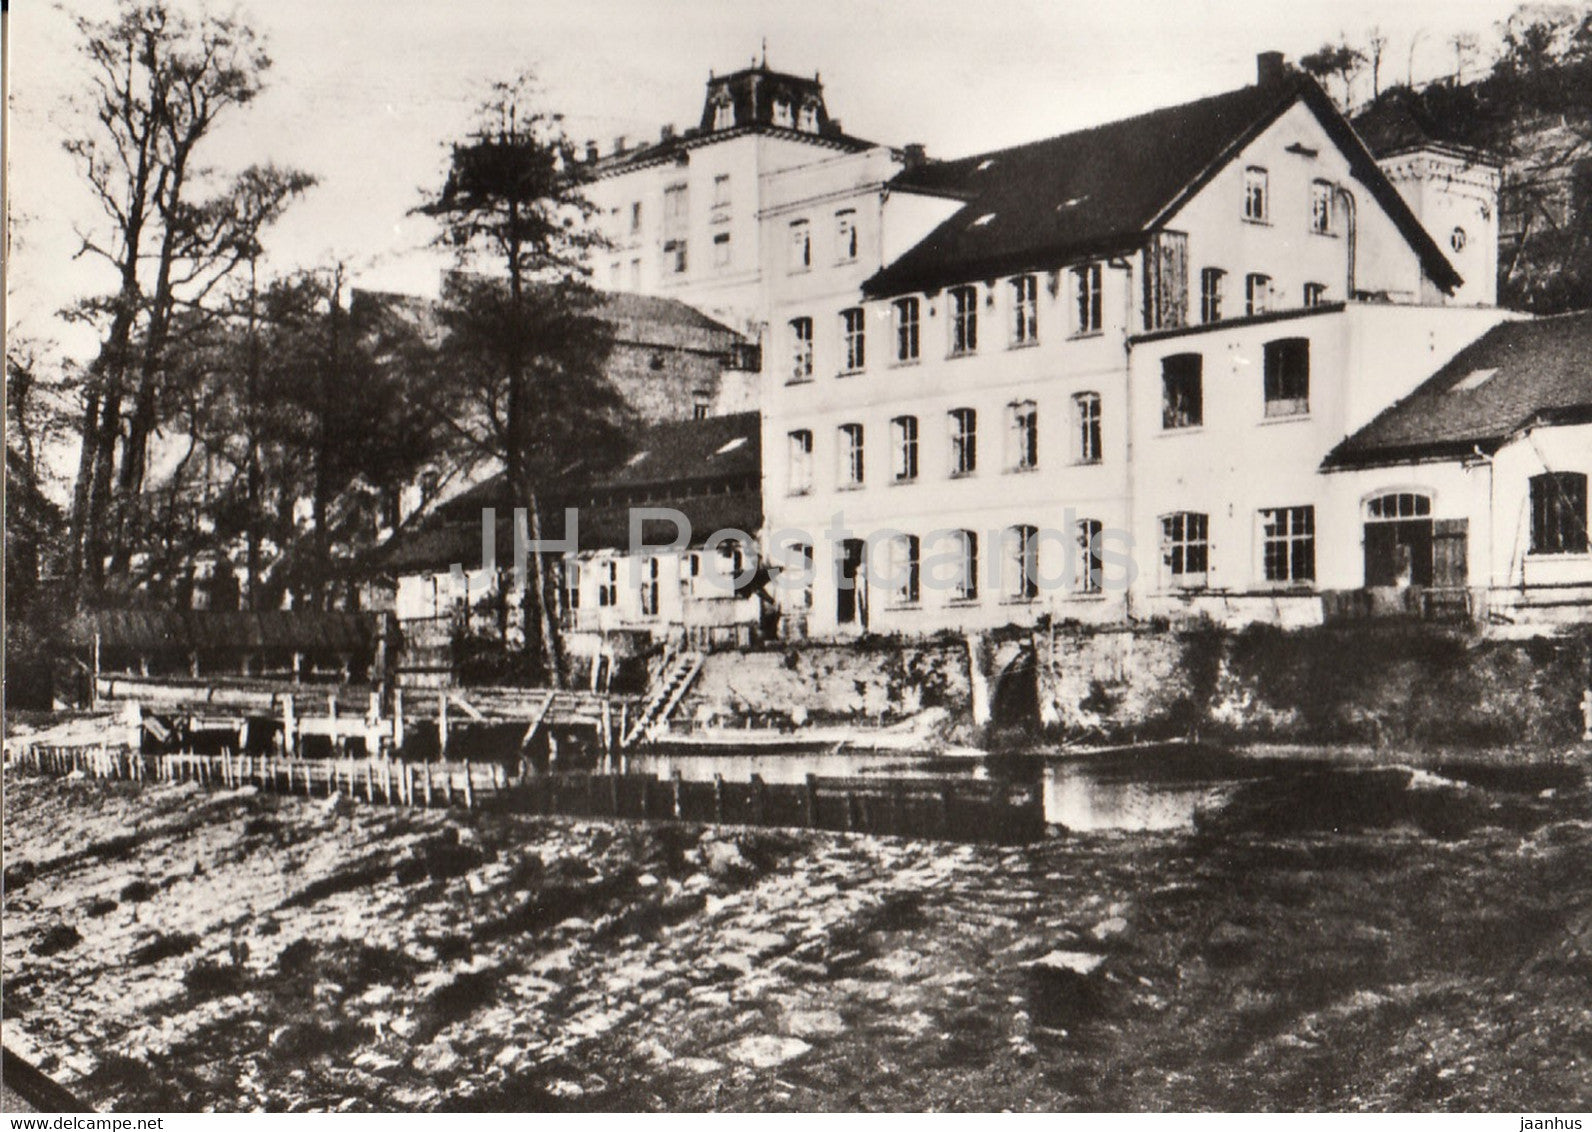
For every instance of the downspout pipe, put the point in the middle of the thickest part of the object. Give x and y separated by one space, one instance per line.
1352 236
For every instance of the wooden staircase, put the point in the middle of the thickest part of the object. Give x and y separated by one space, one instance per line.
675 676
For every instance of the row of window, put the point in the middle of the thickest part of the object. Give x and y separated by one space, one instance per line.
963 329
1285 384
962 449
1288 546
1558 503
800 243
1259 294
1257 201
1023 316
956 565
730 564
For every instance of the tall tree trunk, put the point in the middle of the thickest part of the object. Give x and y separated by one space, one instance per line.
549 628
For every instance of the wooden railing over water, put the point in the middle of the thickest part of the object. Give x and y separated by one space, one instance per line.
950 809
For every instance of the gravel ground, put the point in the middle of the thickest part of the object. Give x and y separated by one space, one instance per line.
1352 939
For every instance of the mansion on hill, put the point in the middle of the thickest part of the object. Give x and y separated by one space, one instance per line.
1234 359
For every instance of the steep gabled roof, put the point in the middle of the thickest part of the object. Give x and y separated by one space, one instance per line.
1519 373
1100 191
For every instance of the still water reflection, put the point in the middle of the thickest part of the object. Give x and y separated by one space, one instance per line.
1150 789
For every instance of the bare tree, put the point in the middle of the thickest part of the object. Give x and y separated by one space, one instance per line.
1376 46
158 82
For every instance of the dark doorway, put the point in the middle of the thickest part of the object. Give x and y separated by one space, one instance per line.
1398 541
1015 703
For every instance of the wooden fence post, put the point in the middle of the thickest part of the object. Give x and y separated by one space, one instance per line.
718 799
442 725
677 784
469 787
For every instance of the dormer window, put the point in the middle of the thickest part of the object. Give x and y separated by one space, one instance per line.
807 122
782 113
724 115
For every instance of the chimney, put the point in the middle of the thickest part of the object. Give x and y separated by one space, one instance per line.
666 133
619 144
591 152
1270 68
914 155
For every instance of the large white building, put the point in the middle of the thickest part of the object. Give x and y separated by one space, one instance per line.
987 419
1093 377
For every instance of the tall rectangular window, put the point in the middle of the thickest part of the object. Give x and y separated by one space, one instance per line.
1086 282
676 207
964 320
906 328
1024 436
1257 293
721 249
1185 548
853 327
1086 425
1025 310
799 461
608 583
851 469
903 569
635 217
801 245
1315 294
1321 207
964 441
1559 513
904 432
1287 377
651 571
1212 282
569 578
1091 563
1182 391
1257 197
801 349
846 235
803 553
1020 564
1288 544
721 190
964 585
674 256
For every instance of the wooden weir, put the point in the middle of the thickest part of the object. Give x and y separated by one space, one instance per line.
950 809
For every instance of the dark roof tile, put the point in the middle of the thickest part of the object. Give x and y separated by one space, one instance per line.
1542 371
1099 191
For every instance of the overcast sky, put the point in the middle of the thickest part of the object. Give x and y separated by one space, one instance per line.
365 93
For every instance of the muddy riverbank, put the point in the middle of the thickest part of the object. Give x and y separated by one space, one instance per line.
1341 938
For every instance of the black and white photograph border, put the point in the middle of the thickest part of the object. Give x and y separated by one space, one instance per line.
849 557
